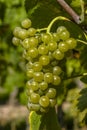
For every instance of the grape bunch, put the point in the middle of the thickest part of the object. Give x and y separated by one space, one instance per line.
43 51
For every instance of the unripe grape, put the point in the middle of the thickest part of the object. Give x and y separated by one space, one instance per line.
26 23
64 35
61 29
52 45
46 38
31 31
22 34
16 31
63 47
51 93
33 52
71 42
34 98
44 60
43 49
56 37
56 80
38 76
57 70
33 107
25 43
34 86
43 85
58 55
37 66
48 77
44 101
30 73
53 102
29 91
16 41
33 42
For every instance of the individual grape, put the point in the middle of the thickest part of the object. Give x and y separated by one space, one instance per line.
25 43
34 98
51 93
56 80
64 35
26 23
52 45
48 77
46 37
22 34
30 73
33 52
16 31
33 107
57 70
34 86
58 55
31 31
38 76
44 101
56 37
43 49
61 29
16 41
72 43
37 66
63 47
44 60
29 91
33 42
43 85
53 102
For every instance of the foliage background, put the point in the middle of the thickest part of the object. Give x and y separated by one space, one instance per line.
12 65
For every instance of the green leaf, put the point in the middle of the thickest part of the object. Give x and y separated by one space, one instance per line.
84 79
34 120
82 100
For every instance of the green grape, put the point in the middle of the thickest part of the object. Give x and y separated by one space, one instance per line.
63 47
58 55
33 42
26 56
33 52
46 37
30 73
31 31
28 84
52 45
29 91
61 29
57 70
44 60
43 85
38 76
64 35
16 41
51 93
34 98
44 101
29 65
25 43
26 23
56 37
34 86
56 80
53 102
16 31
33 107
48 77
43 49
22 34
37 66
72 43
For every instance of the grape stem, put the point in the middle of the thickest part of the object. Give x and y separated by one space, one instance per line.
82 41
76 76
54 20
42 29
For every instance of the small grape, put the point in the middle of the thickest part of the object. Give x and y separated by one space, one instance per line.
56 37
58 55
16 31
44 101
16 41
38 76
43 49
31 31
33 107
57 70
64 35
48 77
46 38
33 42
44 60
25 43
53 102
63 47
37 66
72 43
43 85
61 29
56 80
26 23
52 45
34 98
33 52
22 34
29 92
30 73
51 93
34 86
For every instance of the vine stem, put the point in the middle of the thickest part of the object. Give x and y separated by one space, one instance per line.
42 29
82 41
70 11
54 20
76 76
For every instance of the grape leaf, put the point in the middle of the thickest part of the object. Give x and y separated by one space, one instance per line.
82 100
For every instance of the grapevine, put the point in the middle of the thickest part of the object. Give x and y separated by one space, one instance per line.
43 50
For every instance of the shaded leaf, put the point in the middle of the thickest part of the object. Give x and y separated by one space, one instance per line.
84 79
